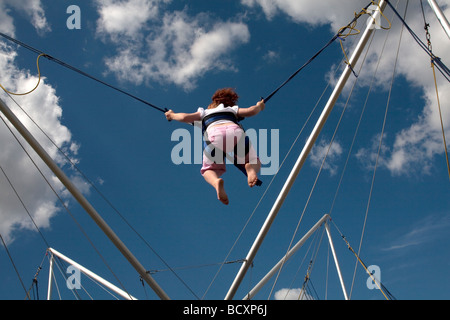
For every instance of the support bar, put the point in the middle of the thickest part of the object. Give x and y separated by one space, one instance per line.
288 255
336 262
88 273
81 200
50 279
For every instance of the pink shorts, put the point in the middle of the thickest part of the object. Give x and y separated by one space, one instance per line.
223 140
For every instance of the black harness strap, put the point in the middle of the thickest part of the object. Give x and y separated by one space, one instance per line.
225 115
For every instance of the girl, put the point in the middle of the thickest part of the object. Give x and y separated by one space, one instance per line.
223 132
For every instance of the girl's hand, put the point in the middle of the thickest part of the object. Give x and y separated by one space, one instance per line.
261 105
169 115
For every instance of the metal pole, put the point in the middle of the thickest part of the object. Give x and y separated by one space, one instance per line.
50 277
440 16
288 255
336 262
92 275
81 200
304 154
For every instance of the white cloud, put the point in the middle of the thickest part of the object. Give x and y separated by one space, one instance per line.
125 17
415 147
6 21
421 232
271 56
336 13
175 48
320 150
292 294
44 108
33 9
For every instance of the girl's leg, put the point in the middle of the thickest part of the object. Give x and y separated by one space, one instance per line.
252 164
213 179
252 172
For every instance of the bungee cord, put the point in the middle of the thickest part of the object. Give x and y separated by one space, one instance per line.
68 66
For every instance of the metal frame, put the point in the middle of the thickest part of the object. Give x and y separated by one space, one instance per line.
440 16
304 154
84 270
81 200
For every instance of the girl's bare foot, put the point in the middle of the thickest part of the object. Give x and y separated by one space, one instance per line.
252 175
221 194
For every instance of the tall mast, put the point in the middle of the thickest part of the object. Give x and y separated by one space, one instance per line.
82 200
440 16
304 154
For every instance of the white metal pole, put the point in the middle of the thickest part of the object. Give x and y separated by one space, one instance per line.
82 200
288 255
336 262
92 275
50 278
440 16
304 154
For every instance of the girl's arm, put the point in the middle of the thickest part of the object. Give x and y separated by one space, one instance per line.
251 111
183 117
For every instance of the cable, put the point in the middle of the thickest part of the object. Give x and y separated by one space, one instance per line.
380 145
14 266
300 69
445 71
440 118
68 66
372 82
325 158
37 85
380 286
353 31
339 34
428 36
65 206
74 166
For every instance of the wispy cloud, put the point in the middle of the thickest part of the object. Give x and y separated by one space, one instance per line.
322 149
421 232
271 56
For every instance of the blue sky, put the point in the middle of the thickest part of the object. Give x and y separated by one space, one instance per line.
175 54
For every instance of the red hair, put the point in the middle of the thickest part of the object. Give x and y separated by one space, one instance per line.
227 96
